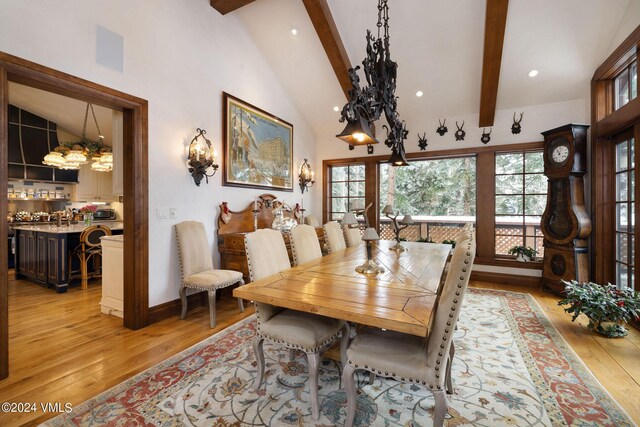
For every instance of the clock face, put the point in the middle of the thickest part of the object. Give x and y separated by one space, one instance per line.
559 151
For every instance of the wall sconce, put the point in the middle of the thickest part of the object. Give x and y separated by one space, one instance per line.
201 157
306 176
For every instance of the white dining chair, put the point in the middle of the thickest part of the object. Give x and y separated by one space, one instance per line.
409 358
353 237
295 330
305 246
312 220
334 236
197 269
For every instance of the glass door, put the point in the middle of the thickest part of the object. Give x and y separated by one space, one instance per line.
624 213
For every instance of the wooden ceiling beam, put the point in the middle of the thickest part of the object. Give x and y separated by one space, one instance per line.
495 23
226 6
329 36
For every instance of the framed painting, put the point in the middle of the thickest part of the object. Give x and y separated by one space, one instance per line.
258 147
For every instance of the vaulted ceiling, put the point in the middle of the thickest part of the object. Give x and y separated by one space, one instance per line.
438 46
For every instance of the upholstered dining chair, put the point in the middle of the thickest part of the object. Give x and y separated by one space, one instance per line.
334 236
312 220
197 270
89 249
304 244
407 358
352 236
295 330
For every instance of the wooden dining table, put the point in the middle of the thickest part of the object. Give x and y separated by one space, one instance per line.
400 299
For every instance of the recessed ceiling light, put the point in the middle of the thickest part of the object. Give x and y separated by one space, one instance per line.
533 73
336 108
419 93
294 31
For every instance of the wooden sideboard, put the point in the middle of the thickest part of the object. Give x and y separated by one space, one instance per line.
232 230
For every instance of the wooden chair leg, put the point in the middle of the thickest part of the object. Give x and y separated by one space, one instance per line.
449 381
240 302
83 271
259 354
212 308
350 388
372 377
344 342
183 300
440 408
314 368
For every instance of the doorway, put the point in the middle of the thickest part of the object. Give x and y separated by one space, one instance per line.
135 177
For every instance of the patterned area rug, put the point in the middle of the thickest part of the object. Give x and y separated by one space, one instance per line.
511 368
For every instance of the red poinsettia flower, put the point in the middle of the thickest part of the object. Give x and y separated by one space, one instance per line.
620 303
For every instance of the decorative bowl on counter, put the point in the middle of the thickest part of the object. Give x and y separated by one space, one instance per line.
40 216
23 216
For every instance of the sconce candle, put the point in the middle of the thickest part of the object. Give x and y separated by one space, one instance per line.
201 157
370 266
305 178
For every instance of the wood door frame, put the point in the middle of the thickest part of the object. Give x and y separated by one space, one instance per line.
135 164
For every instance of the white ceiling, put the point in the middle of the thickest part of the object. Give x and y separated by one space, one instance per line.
438 47
67 113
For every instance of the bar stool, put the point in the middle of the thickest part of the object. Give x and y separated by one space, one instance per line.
88 248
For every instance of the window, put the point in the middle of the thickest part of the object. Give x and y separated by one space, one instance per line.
439 194
626 85
625 213
521 197
347 185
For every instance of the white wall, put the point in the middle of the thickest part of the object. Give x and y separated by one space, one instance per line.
629 22
180 56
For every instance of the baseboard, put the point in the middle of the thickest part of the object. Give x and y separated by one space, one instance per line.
507 279
172 308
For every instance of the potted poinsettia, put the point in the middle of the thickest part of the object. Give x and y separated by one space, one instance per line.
523 253
607 307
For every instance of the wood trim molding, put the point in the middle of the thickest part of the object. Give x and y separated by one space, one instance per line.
322 20
606 123
507 262
172 308
423 155
619 120
227 6
494 26
485 211
4 226
506 279
135 166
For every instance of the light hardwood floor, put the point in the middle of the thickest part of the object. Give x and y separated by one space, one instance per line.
62 349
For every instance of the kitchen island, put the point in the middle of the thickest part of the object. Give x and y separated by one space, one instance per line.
42 252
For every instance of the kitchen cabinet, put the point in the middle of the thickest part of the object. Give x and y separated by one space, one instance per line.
42 252
112 275
93 185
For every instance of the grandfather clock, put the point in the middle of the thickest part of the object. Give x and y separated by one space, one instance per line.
565 223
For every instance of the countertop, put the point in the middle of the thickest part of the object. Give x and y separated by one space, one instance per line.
117 238
73 228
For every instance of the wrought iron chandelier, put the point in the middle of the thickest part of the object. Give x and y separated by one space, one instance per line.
367 104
